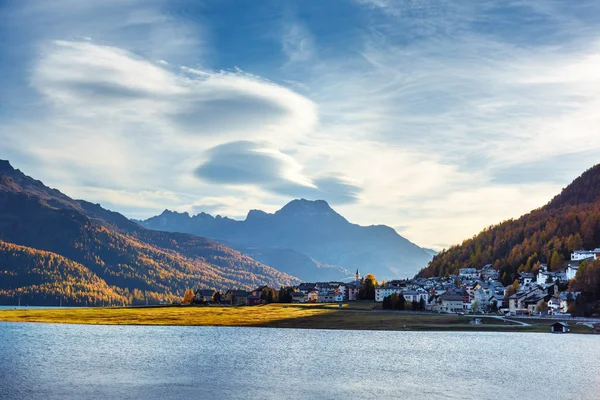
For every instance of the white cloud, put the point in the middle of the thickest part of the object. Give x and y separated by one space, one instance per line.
91 78
245 163
408 124
118 124
94 80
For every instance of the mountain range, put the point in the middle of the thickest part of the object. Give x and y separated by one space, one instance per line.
570 221
307 239
52 246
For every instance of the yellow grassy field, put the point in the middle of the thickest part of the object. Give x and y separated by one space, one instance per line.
185 315
353 316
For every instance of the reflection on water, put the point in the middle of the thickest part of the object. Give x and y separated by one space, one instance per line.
98 362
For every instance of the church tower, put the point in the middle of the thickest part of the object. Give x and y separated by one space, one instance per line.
357 275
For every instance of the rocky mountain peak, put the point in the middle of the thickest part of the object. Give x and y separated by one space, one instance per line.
5 167
307 208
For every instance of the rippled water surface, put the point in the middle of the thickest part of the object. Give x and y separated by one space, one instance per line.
46 361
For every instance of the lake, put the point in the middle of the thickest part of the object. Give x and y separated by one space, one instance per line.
47 361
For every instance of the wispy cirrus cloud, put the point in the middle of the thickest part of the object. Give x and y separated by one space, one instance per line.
297 41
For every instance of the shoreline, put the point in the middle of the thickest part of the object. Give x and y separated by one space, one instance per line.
353 316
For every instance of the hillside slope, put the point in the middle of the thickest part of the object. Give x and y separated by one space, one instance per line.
549 234
43 277
115 249
306 238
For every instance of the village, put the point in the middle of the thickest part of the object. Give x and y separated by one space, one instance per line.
470 291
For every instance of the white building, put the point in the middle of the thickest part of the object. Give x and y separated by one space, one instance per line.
411 295
450 303
572 271
326 287
311 297
542 274
415 295
468 273
555 304
580 255
331 297
525 278
385 291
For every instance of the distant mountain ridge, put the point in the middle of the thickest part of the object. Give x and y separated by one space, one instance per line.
118 258
305 232
570 221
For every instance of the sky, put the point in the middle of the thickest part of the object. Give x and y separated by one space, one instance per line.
435 117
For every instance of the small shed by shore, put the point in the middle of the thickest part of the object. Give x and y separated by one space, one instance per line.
559 327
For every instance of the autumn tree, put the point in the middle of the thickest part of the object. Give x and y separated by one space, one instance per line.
555 261
512 289
269 295
574 242
587 280
367 288
543 306
216 299
188 296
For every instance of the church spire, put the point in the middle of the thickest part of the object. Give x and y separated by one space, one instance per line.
357 275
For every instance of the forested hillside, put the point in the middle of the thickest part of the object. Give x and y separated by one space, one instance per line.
549 234
42 277
124 256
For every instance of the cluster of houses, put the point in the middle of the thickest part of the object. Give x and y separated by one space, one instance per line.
475 290
233 296
307 292
472 290
479 290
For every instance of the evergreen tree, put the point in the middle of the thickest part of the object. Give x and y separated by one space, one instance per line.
401 303
286 294
386 305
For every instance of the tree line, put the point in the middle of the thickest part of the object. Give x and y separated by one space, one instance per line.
397 301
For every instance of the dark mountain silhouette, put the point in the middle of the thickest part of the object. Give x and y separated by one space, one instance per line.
570 221
305 238
131 261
